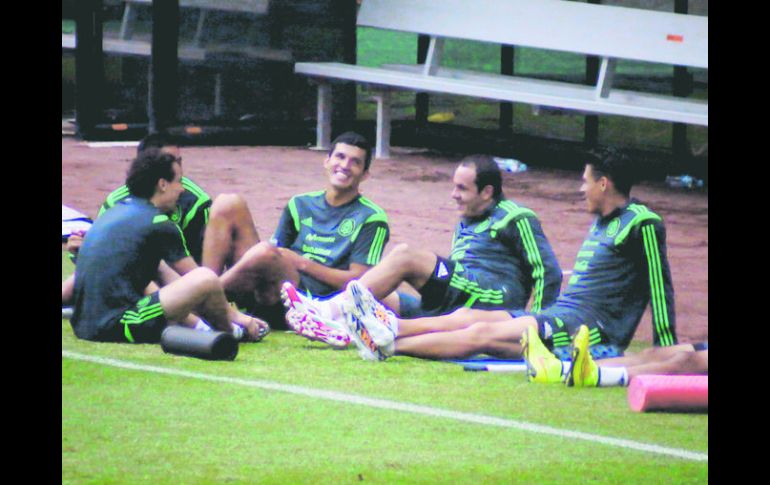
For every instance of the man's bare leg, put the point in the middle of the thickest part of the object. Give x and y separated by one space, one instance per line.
499 339
682 362
200 292
229 234
648 355
260 272
458 319
403 263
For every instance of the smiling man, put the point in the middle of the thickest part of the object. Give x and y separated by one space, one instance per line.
500 259
620 269
334 235
323 239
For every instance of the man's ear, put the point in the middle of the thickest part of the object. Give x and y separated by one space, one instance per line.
488 192
605 183
161 185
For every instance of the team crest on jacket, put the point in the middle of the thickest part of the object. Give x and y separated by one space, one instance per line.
612 227
346 228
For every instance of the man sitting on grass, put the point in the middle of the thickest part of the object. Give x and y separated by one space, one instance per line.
500 259
115 298
216 234
620 268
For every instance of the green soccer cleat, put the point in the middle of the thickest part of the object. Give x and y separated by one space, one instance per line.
542 365
584 372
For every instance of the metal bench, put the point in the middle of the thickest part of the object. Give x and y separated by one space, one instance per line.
194 49
607 32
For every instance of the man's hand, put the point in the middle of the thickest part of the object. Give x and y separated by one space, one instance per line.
298 261
75 241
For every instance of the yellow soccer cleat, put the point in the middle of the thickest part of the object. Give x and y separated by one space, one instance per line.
542 365
584 372
443 117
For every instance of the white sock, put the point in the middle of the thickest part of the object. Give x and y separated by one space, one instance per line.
612 376
565 367
202 326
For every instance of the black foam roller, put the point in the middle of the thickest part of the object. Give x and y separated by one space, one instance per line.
214 345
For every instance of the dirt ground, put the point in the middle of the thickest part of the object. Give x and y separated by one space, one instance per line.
413 187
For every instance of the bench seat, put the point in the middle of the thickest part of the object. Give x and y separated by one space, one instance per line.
608 33
516 89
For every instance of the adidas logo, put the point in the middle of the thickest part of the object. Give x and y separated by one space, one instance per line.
308 221
441 271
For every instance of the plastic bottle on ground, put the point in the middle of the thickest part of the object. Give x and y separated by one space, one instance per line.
510 165
684 181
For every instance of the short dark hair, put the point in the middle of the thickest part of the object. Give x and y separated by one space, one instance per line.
146 169
614 164
354 139
155 140
487 173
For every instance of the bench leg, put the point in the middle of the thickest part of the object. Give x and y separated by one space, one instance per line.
323 129
382 147
218 94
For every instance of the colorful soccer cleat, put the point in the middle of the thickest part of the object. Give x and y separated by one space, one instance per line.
584 372
382 323
307 321
370 324
542 365
313 328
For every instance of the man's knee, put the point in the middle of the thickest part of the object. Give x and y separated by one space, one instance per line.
687 362
262 253
479 334
203 280
228 206
409 258
401 251
463 315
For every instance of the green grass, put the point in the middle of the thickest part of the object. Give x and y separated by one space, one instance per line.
129 426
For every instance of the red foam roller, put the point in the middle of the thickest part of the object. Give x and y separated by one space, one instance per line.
669 393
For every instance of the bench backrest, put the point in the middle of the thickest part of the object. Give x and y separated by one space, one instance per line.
600 30
256 6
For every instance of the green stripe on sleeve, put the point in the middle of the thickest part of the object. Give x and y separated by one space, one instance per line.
294 213
513 211
193 211
368 203
113 198
657 289
184 241
642 214
195 189
535 260
375 251
377 217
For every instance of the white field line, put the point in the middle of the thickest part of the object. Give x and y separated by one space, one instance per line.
111 144
399 406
